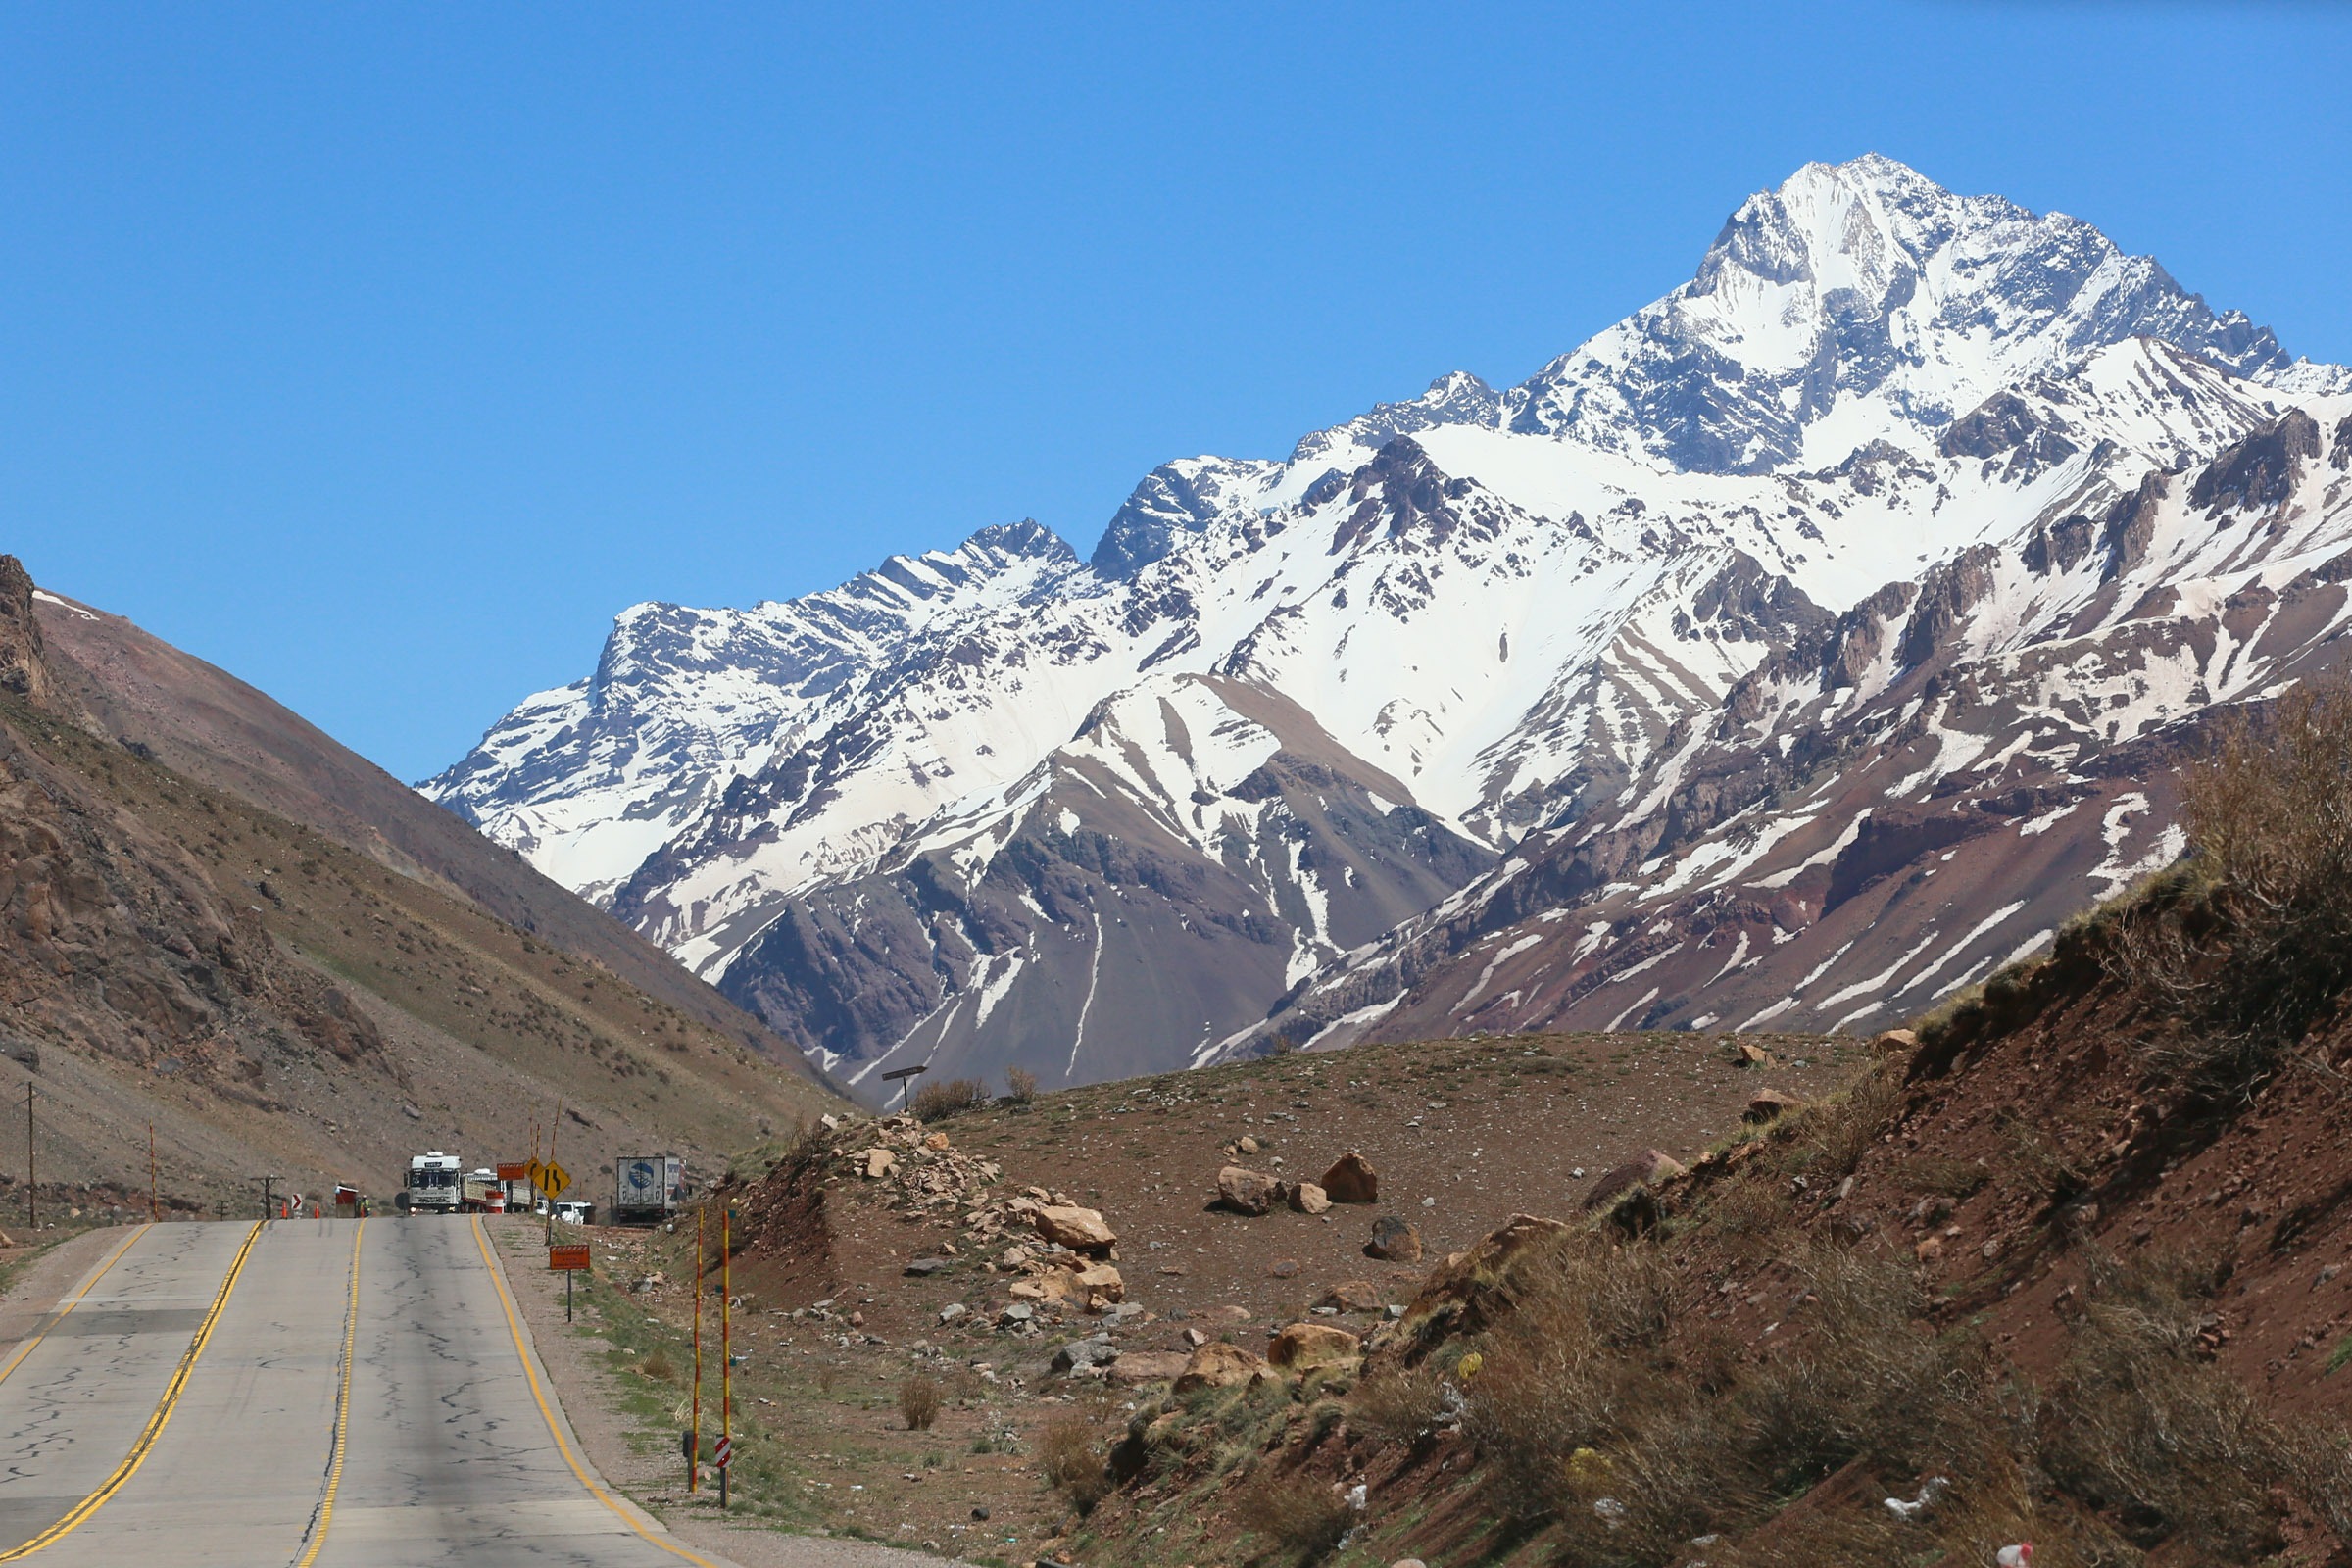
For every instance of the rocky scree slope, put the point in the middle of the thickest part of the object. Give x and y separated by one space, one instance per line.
2030 1279
1637 694
271 999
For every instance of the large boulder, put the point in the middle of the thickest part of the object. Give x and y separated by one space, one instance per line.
1303 1347
1218 1366
1394 1241
1080 1230
1099 1286
1245 1191
1351 1180
1307 1197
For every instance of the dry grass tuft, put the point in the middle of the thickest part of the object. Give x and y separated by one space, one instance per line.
1020 1085
918 1402
1072 1462
1299 1514
941 1100
658 1367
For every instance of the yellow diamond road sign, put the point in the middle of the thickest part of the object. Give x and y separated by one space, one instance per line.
536 1172
553 1180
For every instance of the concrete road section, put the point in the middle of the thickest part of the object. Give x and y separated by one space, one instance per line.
234 1475
455 1455
313 1394
85 1386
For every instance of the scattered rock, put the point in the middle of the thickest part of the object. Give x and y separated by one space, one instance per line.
1099 1286
1283 1268
1755 1056
1352 1296
1307 1197
1244 1146
1770 1104
937 1143
1080 1230
1351 1180
1646 1169
1304 1346
951 1311
1194 1339
1079 1354
924 1267
1218 1366
1150 1366
1245 1191
1394 1241
879 1163
1929 1249
1018 1313
1895 1039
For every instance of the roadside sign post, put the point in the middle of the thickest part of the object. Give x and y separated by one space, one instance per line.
904 1078
723 1456
154 1213
570 1261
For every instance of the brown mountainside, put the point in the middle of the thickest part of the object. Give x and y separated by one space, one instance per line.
214 919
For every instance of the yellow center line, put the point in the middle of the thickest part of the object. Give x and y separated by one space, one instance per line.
334 1469
59 1316
89 1506
522 1352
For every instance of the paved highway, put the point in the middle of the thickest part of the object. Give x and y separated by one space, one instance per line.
315 1393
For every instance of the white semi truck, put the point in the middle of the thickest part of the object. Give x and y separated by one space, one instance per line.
648 1189
435 1184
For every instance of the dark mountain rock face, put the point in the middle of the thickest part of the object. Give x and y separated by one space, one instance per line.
1698 677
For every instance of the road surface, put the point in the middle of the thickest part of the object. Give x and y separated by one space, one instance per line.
317 1393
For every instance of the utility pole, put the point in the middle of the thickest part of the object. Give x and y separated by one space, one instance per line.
694 1422
726 1352
268 1182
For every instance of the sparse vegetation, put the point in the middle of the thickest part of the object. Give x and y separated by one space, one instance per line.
1020 1085
1071 1460
918 1402
2250 940
658 1367
1299 1515
953 1097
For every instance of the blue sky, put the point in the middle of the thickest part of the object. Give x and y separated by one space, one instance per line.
380 353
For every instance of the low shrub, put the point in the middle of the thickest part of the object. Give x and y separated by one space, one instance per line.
1071 1461
953 1097
658 1367
1020 1085
918 1402
1396 1405
1300 1515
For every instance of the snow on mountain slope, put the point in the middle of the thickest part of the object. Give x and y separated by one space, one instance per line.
997 807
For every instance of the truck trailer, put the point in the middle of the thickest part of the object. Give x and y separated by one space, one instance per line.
648 1189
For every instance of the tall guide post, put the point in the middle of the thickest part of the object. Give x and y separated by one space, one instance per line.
552 1125
153 1213
694 1422
726 1352
32 1214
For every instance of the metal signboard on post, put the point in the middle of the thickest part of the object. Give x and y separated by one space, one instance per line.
570 1261
904 1078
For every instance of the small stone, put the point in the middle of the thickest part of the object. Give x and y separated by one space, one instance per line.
1351 1180
951 1311
879 1163
937 1143
1080 1230
1895 1039
1283 1268
1218 1366
1755 1056
1018 1313
1245 1191
856 1320
1929 1249
1244 1146
923 1267
1394 1241
1194 1339
1352 1296
980 1515
1307 1197
1304 1345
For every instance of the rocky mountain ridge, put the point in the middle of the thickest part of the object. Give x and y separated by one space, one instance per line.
1499 700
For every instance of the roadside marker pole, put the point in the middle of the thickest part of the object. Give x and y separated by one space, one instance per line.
153 1213
694 1423
726 1351
552 1125
32 1214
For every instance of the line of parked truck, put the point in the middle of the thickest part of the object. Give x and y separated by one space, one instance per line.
646 1189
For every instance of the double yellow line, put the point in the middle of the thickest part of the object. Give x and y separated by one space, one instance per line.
334 1469
81 1511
